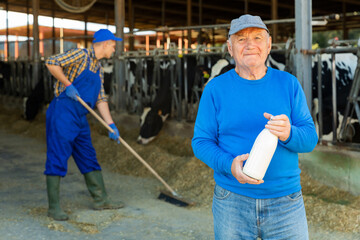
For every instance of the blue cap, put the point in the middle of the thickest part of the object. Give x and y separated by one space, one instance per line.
104 35
246 21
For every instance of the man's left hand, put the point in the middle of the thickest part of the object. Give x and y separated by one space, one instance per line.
114 135
279 125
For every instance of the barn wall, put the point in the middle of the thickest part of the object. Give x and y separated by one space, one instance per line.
334 166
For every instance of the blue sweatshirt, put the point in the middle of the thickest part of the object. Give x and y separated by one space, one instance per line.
230 116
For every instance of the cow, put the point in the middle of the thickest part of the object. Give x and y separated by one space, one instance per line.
33 103
154 115
42 94
108 69
195 76
351 132
5 74
138 83
276 61
345 64
220 67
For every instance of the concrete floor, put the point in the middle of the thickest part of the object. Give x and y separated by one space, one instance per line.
23 207
24 204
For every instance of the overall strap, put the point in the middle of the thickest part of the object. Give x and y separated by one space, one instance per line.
87 53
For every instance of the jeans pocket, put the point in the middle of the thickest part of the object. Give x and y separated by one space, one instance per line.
295 196
220 193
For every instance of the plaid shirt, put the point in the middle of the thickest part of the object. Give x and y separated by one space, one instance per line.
73 63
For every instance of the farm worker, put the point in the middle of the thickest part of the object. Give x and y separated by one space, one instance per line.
234 108
78 73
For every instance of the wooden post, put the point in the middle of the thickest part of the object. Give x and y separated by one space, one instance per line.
6 46
28 30
86 31
200 12
118 95
189 20
345 30
131 25
163 23
36 58
274 16
41 44
16 54
53 28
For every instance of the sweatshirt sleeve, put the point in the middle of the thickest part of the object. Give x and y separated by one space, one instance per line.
303 136
205 140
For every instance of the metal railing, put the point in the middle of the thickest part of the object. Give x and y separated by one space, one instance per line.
144 79
334 98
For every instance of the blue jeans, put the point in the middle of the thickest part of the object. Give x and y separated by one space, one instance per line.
240 217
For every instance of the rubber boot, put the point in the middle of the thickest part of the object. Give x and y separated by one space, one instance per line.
53 191
95 184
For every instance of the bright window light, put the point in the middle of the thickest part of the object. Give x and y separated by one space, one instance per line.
20 19
145 33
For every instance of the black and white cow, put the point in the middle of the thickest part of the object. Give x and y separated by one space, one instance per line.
5 74
195 76
220 67
277 61
345 64
108 75
15 80
154 116
40 95
32 104
138 83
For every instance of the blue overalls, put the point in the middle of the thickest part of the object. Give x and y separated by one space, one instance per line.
67 128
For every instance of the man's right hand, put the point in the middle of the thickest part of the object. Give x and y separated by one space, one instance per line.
236 170
72 92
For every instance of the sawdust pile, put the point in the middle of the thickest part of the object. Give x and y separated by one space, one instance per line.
172 158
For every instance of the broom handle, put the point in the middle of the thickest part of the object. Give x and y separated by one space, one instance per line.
127 146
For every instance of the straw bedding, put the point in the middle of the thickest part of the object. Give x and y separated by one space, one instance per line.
172 157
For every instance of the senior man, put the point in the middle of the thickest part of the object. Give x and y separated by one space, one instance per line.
78 73
234 108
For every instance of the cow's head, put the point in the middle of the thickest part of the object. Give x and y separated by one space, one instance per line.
151 122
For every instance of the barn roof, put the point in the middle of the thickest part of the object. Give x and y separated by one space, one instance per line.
147 14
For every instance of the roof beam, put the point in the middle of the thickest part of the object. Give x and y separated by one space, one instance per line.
176 12
356 2
209 6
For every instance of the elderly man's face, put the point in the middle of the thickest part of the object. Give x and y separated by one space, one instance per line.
250 47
